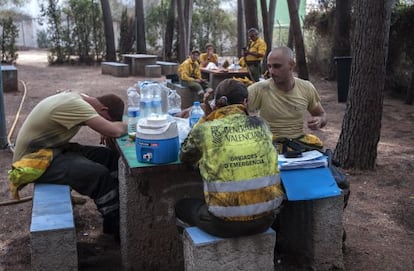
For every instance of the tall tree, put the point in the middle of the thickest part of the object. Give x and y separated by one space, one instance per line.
360 133
184 12
109 31
241 27
169 31
298 37
268 18
342 46
141 43
250 13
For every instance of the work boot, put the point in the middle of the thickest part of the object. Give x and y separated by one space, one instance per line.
111 226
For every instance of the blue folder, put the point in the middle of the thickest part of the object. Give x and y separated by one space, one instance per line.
309 184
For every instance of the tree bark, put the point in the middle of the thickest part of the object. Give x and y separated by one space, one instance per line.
169 32
342 46
141 43
361 127
410 91
298 37
185 14
109 31
250 13
268 19
241 28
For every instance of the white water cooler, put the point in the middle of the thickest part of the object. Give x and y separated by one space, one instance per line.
157 140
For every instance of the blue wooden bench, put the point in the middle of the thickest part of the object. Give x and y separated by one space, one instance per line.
52 229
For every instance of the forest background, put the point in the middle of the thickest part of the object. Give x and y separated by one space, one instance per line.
375 34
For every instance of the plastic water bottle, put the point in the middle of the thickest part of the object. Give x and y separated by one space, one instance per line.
133 110
174 103
196 113
156 103
165 91
146 100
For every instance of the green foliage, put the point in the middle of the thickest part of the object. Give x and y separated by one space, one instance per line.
402 29
75 29
156 19
210 24
13 2
8 37
42 39
322 22
52 13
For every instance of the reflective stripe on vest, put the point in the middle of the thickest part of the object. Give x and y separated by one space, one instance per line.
246 210
237 186
244 198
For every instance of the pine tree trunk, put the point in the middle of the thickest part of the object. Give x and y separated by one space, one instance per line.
169 31
250 13
298 37
141 42
109 31
361 127
410 91
241 27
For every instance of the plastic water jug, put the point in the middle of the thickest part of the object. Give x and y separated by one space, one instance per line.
157 140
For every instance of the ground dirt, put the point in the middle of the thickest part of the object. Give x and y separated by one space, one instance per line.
379 219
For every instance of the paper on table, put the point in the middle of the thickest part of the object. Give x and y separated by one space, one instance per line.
308 155
310 159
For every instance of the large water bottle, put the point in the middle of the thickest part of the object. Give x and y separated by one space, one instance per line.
174 103
196 113
156 103
146 100
133 110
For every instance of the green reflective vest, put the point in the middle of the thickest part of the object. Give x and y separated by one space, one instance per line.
238 164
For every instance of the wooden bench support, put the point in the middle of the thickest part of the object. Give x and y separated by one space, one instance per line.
9 76
203 252
168 67
152 71
52 229
115 69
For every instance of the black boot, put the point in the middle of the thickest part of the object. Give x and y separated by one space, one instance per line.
111 225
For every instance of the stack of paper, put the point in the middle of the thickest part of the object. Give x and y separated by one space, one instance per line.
309 159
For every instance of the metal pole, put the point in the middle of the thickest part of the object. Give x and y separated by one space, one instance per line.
3 136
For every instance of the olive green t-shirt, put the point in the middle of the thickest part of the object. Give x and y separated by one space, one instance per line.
283 111
52 123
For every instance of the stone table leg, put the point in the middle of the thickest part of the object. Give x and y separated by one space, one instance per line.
149 237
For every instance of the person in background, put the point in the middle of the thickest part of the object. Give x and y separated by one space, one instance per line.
238 165
90 170
190 74
209 56
284 101
254 53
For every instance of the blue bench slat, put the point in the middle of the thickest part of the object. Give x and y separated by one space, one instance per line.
166 63
114 64
201 237
52 208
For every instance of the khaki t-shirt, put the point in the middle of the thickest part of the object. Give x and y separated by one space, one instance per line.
284 111
52 123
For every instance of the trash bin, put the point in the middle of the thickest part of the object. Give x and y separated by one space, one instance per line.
343 70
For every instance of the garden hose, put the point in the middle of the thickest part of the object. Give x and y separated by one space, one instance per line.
11 146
